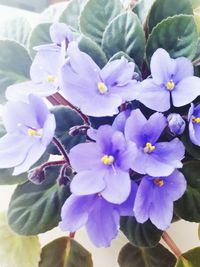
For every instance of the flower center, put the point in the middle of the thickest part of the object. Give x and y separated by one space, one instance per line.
33 132
103 89
170 85
149 148
51 79
108 160
159 182
196 119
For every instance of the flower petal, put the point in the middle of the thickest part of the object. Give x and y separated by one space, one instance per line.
60 32
184 69
120 121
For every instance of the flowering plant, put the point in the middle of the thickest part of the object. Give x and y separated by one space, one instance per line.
112 89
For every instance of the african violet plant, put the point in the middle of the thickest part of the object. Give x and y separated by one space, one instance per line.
122 115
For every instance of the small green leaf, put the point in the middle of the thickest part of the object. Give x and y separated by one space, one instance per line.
163 9
53 12
125 33
142 235
190 258
70 15
16 29
96 15
15 250
142 9
15 64
178 35
40 35
65 252
92 49
35 209
65 119
158 256
188 207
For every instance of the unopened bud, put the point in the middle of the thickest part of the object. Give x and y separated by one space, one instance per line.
36 176
176 124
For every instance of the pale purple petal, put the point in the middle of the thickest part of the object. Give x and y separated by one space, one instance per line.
186 91
194 133
184 69
60 32
48 129
120 121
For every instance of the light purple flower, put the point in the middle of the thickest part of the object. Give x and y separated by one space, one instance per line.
194 124
100 217
155 197
30 128
153 157
176 124
120 121
172 79
103 166
97 92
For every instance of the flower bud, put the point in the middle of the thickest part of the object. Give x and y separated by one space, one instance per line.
36 176
176 124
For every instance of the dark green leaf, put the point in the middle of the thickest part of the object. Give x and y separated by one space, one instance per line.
16 29
92 49
163 9
65 119
15 64
145 235
35 209
190 258
142 9
96 15
53 12
178 35
71 14
65 252
39 36
192 149
188 207
158 256
125 33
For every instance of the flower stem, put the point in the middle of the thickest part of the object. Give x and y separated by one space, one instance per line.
131 4
52 163
171 244
61 148
72 234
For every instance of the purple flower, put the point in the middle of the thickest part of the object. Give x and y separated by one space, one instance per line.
120 121
30 128
100 217
153 157
97 92
155 197
176 124
171 79
194 124
103 166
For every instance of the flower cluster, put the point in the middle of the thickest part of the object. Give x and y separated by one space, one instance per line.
129 168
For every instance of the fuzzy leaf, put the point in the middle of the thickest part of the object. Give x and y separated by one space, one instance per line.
142 9
53 12
190 258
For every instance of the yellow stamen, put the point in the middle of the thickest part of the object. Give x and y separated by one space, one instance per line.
108 160
149 148
102 88
33 132
50 79
159 182
170 85
196 120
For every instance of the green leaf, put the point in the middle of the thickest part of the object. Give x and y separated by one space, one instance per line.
163 9
96 15
195 3
35 209
53 12
15 250
158 256
16 29
65 252
65 119
145 235
39 36
125 33
197 18
15 64
178 35
70 15
192 149
142 9
92 49
188 207
190 258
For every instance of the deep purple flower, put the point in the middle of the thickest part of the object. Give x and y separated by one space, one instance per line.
176 124
153 157
30 128
97 92
155 197
103 166
100 217
171 78
194 124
